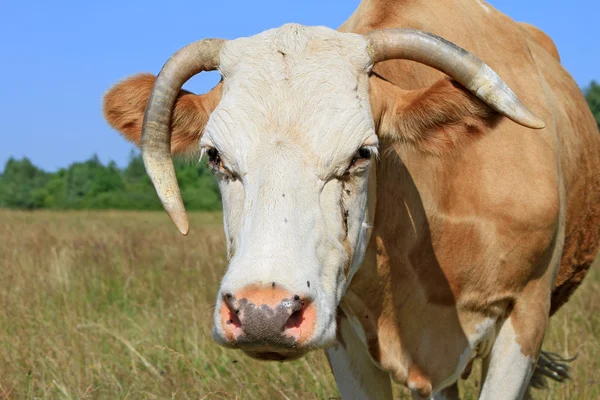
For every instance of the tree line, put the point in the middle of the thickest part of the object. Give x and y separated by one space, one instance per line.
92 185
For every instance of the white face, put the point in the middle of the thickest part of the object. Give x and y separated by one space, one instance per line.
291 143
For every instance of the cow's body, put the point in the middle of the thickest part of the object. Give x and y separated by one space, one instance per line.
457 242
466 246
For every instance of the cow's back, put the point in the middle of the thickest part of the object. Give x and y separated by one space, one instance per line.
541 38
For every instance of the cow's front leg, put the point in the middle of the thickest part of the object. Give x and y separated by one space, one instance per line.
356 375
510 364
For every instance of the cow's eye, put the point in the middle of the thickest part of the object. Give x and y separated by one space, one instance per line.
214 159
362 156
362 153
361 159
215 163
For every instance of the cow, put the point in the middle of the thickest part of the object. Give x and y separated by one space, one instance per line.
387 195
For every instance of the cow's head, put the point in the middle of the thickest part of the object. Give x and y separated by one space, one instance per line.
291 138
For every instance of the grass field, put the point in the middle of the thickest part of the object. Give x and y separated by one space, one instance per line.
108 305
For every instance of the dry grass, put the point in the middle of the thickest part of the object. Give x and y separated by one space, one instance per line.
118 305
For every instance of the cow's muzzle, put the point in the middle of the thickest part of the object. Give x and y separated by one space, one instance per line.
266 322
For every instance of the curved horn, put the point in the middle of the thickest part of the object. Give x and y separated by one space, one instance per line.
455 62
194 58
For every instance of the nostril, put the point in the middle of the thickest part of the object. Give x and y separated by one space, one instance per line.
234 319
295 320
233 310
301 322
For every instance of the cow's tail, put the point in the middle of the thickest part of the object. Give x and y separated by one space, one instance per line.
550 366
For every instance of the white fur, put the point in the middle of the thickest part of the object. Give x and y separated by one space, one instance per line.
295 109
508 369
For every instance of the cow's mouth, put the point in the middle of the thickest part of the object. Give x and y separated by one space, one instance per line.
274 355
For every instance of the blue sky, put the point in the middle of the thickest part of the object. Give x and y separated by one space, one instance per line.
58 58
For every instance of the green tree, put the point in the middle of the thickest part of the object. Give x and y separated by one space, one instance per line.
592 95
21 185
199 188
80 182
135 170
54 192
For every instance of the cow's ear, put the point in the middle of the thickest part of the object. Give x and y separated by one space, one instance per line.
435 120
125 103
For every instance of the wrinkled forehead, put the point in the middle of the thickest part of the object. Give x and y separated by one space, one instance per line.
282 52
294 83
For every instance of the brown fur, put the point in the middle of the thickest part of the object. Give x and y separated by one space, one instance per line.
540 36
582 184
580 159
477 231
125 103
437 119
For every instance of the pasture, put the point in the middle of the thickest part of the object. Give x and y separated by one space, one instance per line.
107 305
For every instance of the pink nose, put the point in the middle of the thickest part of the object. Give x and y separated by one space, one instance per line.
267 317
